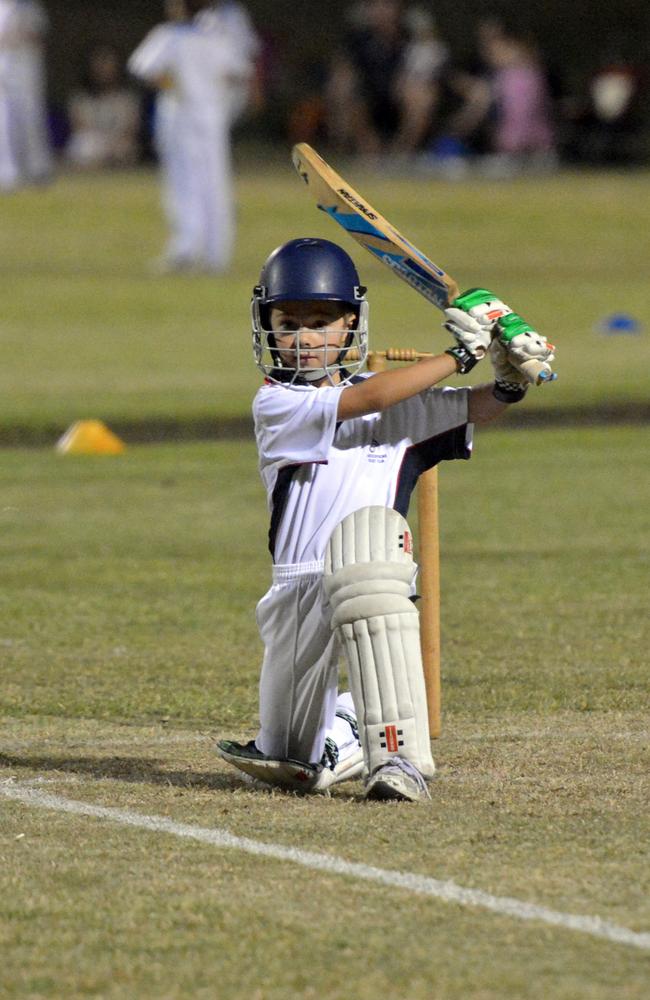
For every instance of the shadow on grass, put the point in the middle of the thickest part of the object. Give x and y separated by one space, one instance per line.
129 769
150 772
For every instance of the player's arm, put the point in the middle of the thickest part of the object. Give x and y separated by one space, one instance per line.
151 62
375 394
483 406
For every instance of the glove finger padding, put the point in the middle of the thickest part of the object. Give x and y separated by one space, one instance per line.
528 347
510 381
468 332
504 371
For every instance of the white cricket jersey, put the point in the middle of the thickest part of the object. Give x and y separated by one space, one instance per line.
317 471
198 64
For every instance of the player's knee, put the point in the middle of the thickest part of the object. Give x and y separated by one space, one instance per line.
369 566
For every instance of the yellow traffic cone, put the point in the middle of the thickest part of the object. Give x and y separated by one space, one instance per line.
89 437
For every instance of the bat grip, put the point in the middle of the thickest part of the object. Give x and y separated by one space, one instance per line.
537 372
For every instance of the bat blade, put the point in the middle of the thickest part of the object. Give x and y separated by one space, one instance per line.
373 232
370 229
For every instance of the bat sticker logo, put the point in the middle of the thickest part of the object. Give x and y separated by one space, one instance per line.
357 204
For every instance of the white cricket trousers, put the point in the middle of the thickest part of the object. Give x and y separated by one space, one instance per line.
299 680
197 189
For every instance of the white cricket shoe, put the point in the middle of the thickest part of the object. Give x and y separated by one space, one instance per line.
397 780
292 775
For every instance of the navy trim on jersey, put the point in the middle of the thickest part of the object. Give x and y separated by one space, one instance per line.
279 501
283 484
424 455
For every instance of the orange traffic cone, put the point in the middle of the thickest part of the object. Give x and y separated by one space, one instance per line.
89 437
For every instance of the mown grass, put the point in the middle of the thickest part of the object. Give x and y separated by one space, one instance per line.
151 562
128 643
87 331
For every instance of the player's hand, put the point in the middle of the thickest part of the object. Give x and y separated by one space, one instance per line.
510 383
520 361
471 319
468 332
526 349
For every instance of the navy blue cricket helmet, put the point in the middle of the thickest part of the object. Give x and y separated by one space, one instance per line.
308 270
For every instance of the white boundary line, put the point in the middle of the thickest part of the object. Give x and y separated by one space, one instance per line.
421 885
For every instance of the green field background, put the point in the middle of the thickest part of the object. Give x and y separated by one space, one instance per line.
87 331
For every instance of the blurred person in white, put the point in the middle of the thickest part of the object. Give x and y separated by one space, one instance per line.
193 68
104 115
25 155
232 20
607 118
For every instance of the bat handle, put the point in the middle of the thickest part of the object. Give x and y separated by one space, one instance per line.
537 372
403 354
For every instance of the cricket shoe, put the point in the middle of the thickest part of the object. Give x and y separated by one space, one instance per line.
173 264
292 775
397 780
334 770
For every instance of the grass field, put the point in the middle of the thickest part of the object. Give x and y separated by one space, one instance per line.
87 331
128 642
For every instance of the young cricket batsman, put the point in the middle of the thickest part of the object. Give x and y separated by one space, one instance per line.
340 454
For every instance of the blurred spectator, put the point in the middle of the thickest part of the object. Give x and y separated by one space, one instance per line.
383 84
193 68
608 123
523 127
418 81
104 115
25 156
511 102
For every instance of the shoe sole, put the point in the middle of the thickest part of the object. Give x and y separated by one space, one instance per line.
386 790
289 775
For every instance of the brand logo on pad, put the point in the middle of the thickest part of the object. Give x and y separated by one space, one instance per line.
390 739
406 542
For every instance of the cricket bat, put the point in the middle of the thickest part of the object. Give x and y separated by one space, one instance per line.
371 230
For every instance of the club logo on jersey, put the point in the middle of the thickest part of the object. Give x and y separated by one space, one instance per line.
389 739
376 451
406 542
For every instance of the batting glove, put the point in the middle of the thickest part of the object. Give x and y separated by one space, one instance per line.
527 350
510 384
487 319
471 319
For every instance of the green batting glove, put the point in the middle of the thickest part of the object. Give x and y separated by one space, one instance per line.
471 318
511 325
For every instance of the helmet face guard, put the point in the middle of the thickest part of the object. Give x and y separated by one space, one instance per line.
308 270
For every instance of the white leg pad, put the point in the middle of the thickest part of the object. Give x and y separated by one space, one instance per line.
368 572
